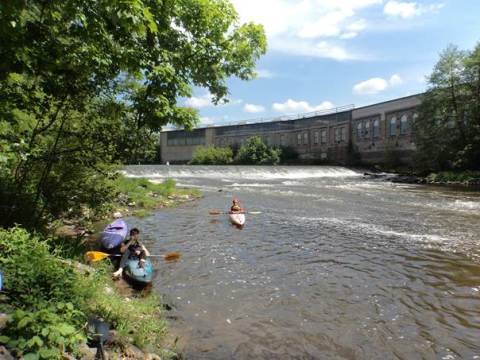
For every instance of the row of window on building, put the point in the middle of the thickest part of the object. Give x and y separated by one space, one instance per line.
302 138
182 141
368 128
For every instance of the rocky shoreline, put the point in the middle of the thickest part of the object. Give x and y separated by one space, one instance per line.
471 184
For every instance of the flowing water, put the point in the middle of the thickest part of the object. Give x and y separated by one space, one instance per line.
335 267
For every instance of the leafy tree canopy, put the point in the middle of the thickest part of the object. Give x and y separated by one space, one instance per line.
447 131
83 80
256 152
212 156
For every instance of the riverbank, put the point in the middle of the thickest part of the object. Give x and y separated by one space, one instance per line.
50 301
465 179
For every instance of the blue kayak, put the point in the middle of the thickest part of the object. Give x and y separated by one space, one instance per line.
114 234
133 271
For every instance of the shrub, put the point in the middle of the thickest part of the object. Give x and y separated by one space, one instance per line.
255 152
212 156
143 192
49 303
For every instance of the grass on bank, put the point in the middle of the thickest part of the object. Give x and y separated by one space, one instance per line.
140 195
49 297
50 302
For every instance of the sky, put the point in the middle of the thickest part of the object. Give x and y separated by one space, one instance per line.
324 54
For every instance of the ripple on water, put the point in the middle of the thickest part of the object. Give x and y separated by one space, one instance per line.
334 268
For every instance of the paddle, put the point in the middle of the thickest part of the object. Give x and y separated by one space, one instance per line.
94 256
218 212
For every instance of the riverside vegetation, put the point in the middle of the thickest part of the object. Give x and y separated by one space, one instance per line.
86 86
49 298
447 130
254 152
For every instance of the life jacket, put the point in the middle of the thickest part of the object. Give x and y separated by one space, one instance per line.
236 208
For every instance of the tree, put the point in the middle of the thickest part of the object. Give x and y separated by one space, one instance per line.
79 80
212 156
447 131
255 152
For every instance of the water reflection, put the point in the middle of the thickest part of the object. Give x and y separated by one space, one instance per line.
335 266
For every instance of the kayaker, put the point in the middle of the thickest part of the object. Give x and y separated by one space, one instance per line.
236 207
132 249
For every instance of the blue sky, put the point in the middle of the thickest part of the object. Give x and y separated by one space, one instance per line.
329 53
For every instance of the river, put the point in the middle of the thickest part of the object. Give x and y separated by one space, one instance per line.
336 266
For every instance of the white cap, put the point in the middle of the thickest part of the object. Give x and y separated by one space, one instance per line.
117 215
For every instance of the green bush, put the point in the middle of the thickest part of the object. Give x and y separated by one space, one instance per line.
144 193
255 152
45 333
212 156
451 176
42 290
49 303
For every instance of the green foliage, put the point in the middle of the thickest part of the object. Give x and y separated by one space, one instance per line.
447 131
141 195
137 320
34 276
43 290
45 333
49 302
212 156
255 152
143 192
86 84
451 176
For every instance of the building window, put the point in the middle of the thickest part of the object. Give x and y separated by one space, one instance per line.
366 133
376 128
305 138
282 140
267 140
299 139
343 134
337 135
359 130
324 136
393 126
315 137
403 124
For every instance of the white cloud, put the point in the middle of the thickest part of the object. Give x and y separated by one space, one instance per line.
321 49
407 10
376 85
395 80
205 120
206 100
264 74
290 106
198 102
370 86
251 108
293 26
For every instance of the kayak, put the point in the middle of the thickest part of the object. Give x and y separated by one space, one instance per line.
237 218
141 275
114 234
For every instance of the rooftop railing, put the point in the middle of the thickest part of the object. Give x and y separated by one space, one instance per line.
276 118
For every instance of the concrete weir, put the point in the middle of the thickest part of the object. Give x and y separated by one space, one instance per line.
376 132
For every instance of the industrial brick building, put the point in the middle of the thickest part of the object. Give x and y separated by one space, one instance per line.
374 131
